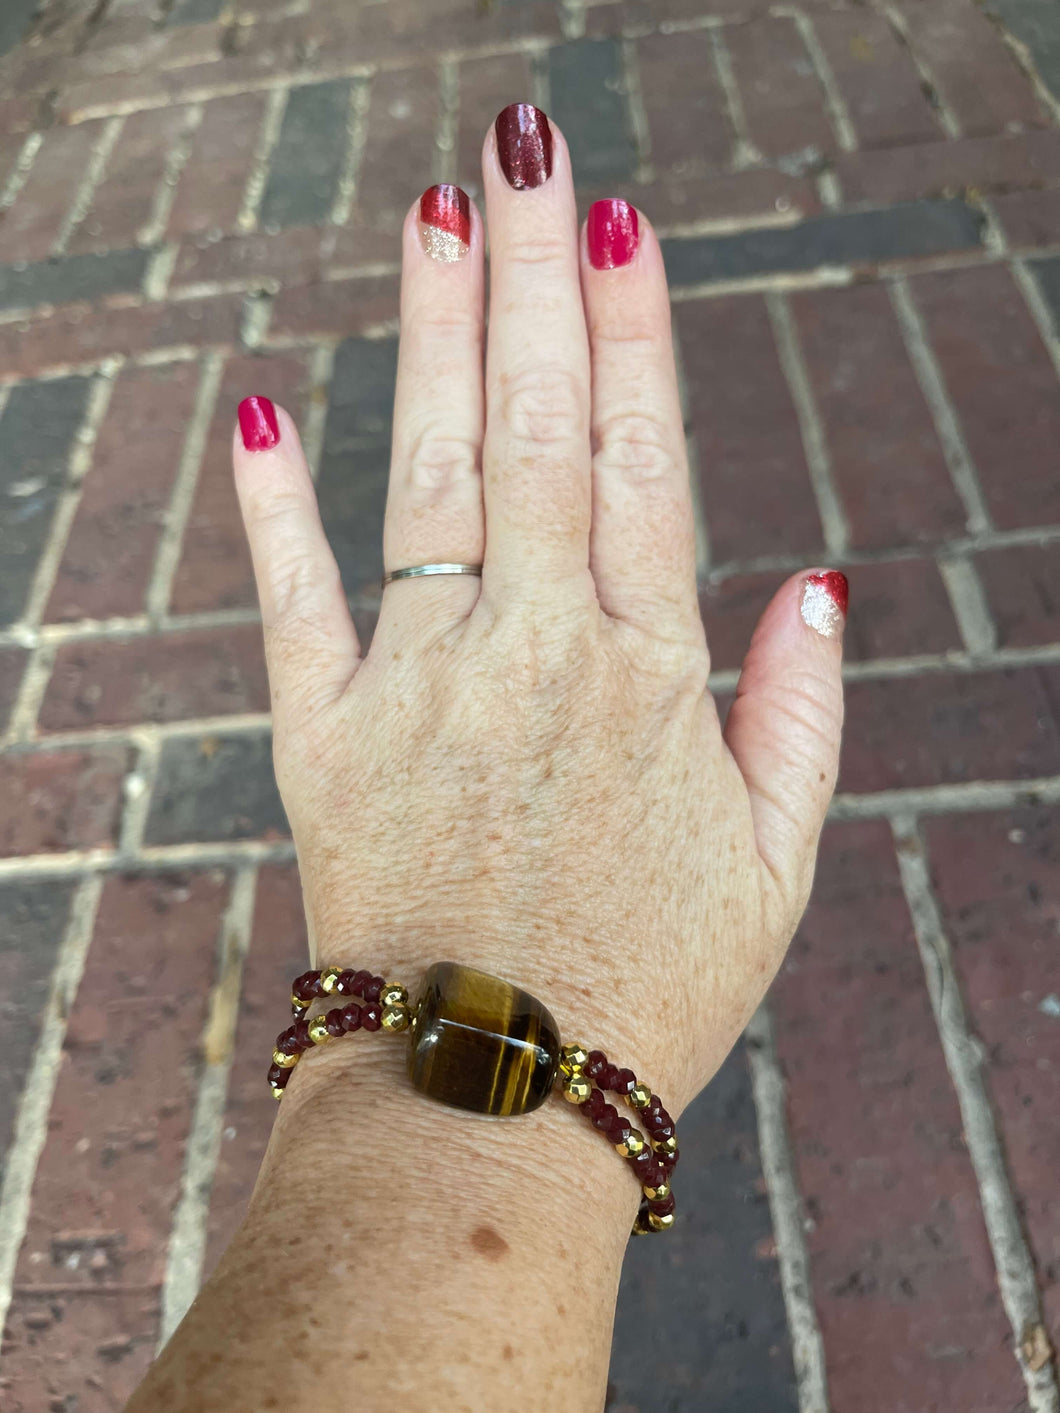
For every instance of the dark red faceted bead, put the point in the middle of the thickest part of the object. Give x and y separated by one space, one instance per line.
609 1077
595 1065
625 1082
278 1075
351 1016
642 1165
333 1021
654 1107
316 986
594 1103
620 1130
605 1118
360 981
374 988
663 1206
344 985
301 1034
372 1016
661 1131
286 1042
301 985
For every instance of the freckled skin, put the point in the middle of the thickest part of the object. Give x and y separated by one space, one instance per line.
489 1243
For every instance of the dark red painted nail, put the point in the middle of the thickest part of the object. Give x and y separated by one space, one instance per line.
524 145
612 234
824 602
258 424
445 222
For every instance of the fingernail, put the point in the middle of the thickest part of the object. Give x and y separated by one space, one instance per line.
611 233
824 602
524 145
445 222
258 424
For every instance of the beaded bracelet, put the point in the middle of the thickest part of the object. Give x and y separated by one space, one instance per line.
483 1044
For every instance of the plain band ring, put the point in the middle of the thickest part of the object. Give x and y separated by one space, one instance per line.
420 571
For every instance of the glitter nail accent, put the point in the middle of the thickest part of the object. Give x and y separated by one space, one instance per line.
445 223
824 602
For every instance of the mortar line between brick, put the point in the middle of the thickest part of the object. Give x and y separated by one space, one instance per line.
1025 60
321 367
947 118
969 603
787 1212
187 1241
744 152
638 114
86 189
154 228
572 18
815 445
933 386
835 103
356 138
1040 311
444 157
972 798
964 1055
167 555
21 170
154 858
31 1121
137 790
268 136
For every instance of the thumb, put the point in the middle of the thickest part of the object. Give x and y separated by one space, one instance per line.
783 728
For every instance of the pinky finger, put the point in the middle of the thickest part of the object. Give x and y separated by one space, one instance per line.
310 642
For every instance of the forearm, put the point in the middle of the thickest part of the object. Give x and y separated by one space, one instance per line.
399 1253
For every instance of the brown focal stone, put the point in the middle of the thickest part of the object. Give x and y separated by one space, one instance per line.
481 1043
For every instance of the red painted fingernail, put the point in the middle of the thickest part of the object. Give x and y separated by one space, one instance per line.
524 145
824 602
611 233
445 222
258 424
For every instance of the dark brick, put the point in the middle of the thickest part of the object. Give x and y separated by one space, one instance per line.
997 878
1047 274
1003 385
12 662
877 78
291 256
1023 589
684 104
361 400
721 1265
215 788
587 102
110 551
1029 218
210 190
191 12
278 952
167 678
32 921
215 569
890 472
337 307
77 277
308 157
30 226
486 86
55 801
903 1280
1036 24
352 495
396 163
853 238
971 66
987 164
782 96
944 729
14 21
756 489
37 430
899 609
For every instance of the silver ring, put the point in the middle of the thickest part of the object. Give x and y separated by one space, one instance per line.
419 571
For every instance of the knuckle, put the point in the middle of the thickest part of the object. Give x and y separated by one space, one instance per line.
637 445
437 460
545 406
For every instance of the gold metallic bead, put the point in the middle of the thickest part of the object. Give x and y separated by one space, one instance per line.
394 995
572 1058
329 979
285 1062
640 1227
577 1089
661 1223
297 1004
633 1145
665 1145
277 1091
395 1018
639 1096
318 1031
656 1194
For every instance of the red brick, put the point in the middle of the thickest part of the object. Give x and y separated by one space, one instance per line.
396 165
986 164
30 226
110 552
877 79
74 333
1029 218
83 1350
339 308
756 489
997 879
687 121
123 202
171 677
283 255
54 801
486 86
750 197
971 66
731 609
1003 385
278 952
782 96
159 88
210 190
943 728
1023 589
108 1179
215 570
903 1280
12 662
890 472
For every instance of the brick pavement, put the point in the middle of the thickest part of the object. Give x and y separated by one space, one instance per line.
860 207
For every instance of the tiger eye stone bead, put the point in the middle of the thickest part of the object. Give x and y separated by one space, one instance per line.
482 1043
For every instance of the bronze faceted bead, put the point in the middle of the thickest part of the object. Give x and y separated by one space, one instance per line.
577 1089
394 995
318 1031
661 1223
285 1061
481 1043
665 1145
656 1194
329 978
639 1097
632 1145
572 1058
395 1017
